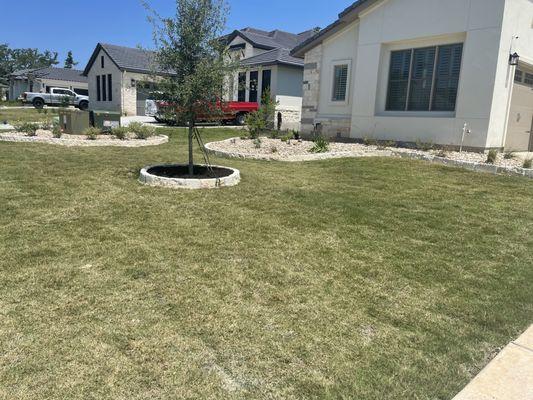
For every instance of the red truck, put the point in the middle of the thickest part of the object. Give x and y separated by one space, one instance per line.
223 112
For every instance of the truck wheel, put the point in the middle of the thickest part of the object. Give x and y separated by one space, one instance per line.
240 119
38 103
84 105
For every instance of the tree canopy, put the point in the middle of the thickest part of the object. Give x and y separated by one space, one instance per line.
69 61
16 59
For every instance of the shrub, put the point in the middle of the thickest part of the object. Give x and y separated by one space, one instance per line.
491 156
368 141
140 130
296 135
509 155
528 163
257 143
442 154
287 138
92 133
263 119
119 132
56 131
29 128
273 149
274 134
47 125
424 146
321 145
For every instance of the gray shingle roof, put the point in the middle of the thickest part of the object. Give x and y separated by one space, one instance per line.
276 56
271 40
127 59
60 74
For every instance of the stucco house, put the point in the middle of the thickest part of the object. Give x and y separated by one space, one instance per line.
409 70
121 78
266 62
42 79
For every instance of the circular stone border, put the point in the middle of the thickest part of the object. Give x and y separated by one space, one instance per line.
64 141
469 165
194 184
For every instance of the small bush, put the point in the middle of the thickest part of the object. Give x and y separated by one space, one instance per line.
29 128
92 133
491 156
509 155
56 131
296 135
47 125
528 163
442 154
140 130
119 132
257 143
273 149
275 134
321 145
368 141
287 137
424 146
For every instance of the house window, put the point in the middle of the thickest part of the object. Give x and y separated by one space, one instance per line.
425 79
241 94
340 82
109 87
528 80
254 83
104 88
98 91
102 61
266 80
518 75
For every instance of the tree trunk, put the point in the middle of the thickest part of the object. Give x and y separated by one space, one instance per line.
191 161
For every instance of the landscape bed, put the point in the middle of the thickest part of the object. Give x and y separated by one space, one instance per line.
45 136
269 149
368 278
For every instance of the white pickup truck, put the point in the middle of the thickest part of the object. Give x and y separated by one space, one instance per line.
56 97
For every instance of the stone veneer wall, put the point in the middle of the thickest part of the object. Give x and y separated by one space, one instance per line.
335 128
291 117
311 88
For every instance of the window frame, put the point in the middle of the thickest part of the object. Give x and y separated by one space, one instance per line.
98 88
110 87
334 65
431 107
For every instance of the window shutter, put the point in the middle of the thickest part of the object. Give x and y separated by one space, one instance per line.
398 80
340 81
447 77
421 79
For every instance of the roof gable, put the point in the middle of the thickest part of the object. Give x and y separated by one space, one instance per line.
346 17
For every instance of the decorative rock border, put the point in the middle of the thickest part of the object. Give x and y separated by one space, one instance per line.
180 183
473 166
68 142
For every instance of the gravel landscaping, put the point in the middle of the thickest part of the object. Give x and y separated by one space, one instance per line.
45 136
299 150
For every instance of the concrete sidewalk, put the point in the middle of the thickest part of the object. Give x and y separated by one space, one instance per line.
508 377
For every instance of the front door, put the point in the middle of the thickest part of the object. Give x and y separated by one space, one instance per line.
519 132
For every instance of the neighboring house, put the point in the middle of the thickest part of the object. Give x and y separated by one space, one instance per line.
266 63
121 78
409 70
42 79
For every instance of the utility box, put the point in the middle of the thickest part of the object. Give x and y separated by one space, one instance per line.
105 120
73 122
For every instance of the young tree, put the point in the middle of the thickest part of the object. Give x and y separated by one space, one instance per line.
69 61
190 51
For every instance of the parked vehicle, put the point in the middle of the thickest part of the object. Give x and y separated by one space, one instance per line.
222 112
56 97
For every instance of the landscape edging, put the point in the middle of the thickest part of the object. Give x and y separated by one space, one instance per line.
472 166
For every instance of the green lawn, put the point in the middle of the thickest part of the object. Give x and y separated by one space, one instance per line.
354 278
26 114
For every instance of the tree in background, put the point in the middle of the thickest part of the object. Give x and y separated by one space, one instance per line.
69 61
190 50
12 60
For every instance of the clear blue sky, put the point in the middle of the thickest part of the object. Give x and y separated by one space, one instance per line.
77 25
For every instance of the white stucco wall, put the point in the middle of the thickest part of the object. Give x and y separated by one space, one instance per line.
485 28
517 21
109 68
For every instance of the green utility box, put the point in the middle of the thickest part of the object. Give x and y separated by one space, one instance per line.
105 120
73 122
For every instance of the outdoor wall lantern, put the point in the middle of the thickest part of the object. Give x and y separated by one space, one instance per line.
513 59
133 83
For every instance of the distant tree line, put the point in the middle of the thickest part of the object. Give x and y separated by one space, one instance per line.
12 60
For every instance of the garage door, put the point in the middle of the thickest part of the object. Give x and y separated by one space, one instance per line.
519 133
